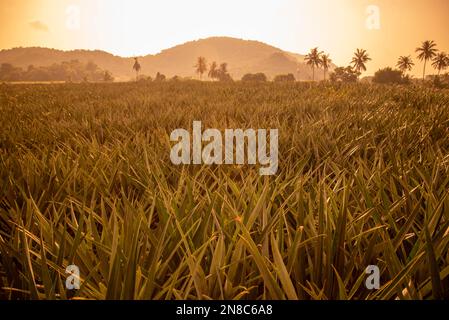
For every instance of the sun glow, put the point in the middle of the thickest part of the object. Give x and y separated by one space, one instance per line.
140 27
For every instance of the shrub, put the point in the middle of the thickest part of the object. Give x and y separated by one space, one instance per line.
160 77
344 74
257 77
285 78
389 76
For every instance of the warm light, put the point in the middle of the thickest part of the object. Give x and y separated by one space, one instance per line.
140 27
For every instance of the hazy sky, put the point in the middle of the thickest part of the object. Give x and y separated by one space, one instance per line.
386 28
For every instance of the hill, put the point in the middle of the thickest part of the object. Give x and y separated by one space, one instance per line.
242 56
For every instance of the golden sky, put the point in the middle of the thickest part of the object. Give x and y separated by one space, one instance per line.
385 28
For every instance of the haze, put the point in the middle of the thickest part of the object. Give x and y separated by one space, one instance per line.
138 27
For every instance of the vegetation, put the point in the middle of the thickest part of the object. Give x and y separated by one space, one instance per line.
222 73
389 76
160 77
441 62
426 52
86 179
284 78
405 63
344 74
107 77
65 71
326 63
201 66
137 68
313 59
257 77
359 60
213 71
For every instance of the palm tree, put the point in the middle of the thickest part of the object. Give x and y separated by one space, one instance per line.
213 70
326 62
405 63
441 62
360 59
313 59
224 68
426 52
201 66
222 72
136 67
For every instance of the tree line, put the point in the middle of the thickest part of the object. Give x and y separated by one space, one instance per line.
216 72
317 59
78 71
426 52
73 70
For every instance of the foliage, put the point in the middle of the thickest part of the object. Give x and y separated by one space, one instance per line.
326 63
313 59
107 77
441 81
137 67
284 78
389 76
344 74
201 66
66 71
405 63
359 60
426 52
160 77
213 71
86 179
254 77
441 62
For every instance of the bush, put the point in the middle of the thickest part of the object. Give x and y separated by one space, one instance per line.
224 77
257 77
389 76
344 74
285 78
160 77
108 77
441 82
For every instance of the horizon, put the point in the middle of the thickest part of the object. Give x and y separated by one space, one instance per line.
386 30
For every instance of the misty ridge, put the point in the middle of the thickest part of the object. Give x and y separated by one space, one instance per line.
241 56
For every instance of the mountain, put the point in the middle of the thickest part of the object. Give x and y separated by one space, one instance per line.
242 56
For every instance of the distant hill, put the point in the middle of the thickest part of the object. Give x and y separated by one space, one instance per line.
242 56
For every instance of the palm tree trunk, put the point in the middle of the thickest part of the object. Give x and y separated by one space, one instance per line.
313 73
424 71
324 74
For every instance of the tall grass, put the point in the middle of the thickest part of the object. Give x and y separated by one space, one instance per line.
86 179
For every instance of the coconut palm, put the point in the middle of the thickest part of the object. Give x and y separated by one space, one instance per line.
223 68
201 66
313 59
426 52
359 60
326 63
405 63
441 62
213 70
137 67
222 72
